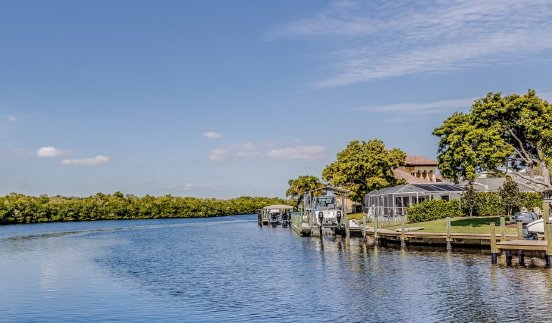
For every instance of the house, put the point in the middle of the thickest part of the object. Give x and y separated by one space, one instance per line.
418 170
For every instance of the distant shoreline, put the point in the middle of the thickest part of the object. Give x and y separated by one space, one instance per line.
23 209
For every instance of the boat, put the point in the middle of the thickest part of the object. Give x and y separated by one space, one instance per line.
275 214
321 209
536 227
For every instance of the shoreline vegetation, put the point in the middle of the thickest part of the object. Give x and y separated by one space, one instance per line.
21 209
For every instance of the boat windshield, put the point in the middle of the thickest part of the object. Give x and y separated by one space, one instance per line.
325 202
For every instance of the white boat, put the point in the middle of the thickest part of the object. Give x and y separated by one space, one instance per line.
536 227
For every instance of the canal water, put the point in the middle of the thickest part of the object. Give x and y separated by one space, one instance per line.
230 269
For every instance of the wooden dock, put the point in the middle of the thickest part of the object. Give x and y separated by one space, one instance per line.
540 248
447 238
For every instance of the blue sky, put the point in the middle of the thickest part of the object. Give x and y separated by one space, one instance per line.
230 98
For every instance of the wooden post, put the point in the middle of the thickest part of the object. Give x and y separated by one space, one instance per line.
364 221
376 224
508 257
494 250
448 234
403 222
548 234
502 228
520 230
347 230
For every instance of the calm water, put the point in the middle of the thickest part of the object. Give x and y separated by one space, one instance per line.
230 269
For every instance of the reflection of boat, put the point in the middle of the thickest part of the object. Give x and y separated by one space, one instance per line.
275 214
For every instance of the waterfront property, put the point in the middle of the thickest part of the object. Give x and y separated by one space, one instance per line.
394 201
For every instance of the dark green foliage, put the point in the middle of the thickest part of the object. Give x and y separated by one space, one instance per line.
491 204
433 210
530 200
488 204
303 184
364 166
468 200
512 130
18 208
509 194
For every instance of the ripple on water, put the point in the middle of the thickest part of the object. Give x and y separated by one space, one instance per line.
230 269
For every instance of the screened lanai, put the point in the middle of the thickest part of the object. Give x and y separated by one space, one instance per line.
393 201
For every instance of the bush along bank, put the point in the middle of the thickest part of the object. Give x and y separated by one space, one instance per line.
19 208
485 204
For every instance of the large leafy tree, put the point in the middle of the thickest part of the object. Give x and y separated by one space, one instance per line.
364 166
500 133
302 184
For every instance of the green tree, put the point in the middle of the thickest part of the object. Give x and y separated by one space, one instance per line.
468 199
303 184
511 132
363 167
509 194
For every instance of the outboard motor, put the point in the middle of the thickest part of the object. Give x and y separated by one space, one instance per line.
320 217
338 216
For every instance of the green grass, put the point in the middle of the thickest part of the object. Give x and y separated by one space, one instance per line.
354 216
460 225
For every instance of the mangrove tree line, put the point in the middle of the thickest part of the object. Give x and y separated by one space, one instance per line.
18 208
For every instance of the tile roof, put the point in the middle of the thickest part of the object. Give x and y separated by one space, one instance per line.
419 161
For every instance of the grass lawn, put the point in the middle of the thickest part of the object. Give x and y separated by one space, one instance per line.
354 216
461 225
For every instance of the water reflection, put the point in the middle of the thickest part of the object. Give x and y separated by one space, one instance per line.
234 270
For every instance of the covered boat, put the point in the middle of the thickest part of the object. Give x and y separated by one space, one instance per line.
275 214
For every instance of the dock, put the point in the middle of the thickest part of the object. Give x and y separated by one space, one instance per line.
538 248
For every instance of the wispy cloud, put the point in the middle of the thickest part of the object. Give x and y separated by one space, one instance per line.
212 135
373 40
298 152
49 151
12 119
86 161
423 108
188 187
247 149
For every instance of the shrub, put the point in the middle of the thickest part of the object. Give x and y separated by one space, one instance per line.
530 200
489 204
433 210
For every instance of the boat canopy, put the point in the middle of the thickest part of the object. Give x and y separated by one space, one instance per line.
279 206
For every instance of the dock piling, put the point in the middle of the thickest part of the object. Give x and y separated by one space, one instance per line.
508 257
449 247
494 249
403 222
548 237
376 237
502 228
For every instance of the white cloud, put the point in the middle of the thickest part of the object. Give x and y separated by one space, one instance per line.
12 119
247 149
298 152
86 161
212 135
372 40
424 108
218 154
48 152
